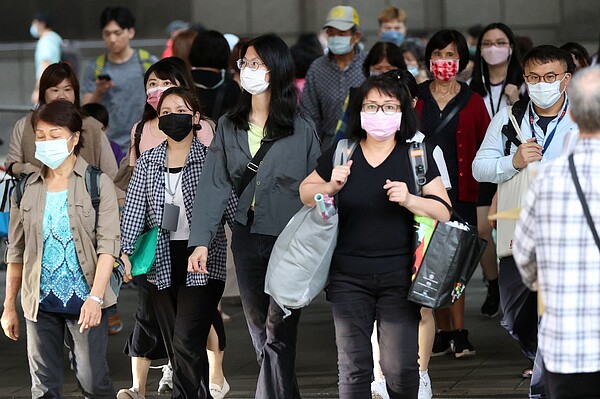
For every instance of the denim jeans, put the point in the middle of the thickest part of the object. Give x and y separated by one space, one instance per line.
519 306
357 300
45 342
273 337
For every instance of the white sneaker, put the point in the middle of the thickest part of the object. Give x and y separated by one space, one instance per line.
424 385
218 392
379 390
165 385
131 393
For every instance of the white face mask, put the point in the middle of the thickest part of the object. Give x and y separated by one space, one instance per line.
545 95
254 81
53 153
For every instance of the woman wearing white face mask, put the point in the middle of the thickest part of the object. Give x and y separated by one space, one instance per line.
264 124
61 257
371 266
454 118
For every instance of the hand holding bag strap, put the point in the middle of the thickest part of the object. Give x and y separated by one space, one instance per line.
584 205
253 165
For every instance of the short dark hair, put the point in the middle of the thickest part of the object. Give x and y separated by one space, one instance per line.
210 50
547 53
60 113
579 52
97 111
380 51
304 52
121 15
415 47
388 84
53 75
188 96
282 106
43 17
442 39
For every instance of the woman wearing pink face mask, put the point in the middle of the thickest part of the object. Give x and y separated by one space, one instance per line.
371 266
498 78
454 118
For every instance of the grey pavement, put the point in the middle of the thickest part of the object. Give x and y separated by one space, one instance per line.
494 372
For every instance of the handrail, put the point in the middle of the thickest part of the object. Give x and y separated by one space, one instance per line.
15 108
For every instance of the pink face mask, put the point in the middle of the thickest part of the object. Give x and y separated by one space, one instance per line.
443 69
379 125
153 95
495 55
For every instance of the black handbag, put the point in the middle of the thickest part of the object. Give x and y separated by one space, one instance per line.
447 263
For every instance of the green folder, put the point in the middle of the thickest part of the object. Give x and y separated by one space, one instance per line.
144 254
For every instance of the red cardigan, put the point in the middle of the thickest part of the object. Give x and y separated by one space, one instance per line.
473 121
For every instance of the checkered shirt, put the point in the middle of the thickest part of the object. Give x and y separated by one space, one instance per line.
144 206
556 253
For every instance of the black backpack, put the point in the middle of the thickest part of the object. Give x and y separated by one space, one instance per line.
508 130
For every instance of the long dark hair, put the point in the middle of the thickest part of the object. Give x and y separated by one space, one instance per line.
393 84
382 50
277 57
480 81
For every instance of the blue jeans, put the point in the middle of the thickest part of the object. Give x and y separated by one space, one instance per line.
357 300
273 337
45 340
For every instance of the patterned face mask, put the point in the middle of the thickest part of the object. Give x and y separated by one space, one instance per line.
443 69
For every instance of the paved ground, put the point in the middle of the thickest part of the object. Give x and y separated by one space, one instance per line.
493 373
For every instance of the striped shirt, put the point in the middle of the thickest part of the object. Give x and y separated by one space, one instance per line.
556 253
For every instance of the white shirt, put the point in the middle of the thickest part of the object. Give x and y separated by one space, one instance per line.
183 228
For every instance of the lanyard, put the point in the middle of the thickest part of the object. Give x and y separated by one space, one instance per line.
551 135
168 178
490 96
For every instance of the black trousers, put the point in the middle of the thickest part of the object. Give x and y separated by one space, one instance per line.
185 315
572 386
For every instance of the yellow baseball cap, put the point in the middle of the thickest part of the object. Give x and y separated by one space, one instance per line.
342 18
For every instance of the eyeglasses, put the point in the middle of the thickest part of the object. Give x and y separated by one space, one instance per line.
253 65
388 109
534 78
499 43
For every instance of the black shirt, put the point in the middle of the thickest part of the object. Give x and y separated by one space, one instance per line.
375 235
544 121
207 96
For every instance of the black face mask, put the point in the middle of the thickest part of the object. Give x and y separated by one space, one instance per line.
176 126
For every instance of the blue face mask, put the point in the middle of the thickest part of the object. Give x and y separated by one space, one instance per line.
34 32
413 69
339 45
392 36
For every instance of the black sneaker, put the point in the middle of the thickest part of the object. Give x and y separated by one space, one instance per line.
491 305
461 345
441 344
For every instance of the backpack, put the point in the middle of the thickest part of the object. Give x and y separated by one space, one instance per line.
418 161
143 58
71 54
508 130
92 185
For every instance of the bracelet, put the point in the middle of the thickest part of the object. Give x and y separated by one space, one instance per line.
96 299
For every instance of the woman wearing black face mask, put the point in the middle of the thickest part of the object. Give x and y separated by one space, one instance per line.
161 193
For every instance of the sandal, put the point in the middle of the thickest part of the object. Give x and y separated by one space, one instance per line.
527 373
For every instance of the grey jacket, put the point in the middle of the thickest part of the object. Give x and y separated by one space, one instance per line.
275 186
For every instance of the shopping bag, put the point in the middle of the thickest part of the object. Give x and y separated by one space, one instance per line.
445 261
144 254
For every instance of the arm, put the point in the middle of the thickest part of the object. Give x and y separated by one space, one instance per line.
106 157
92 89
315 184
398 192
15 151
91 311
10 320
524 240
133 218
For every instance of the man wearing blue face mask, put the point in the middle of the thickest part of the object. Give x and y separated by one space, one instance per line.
331 76
545 129
391 25
47 49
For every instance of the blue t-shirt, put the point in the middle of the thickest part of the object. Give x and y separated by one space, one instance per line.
63 287
48 48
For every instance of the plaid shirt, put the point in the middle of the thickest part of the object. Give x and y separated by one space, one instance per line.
144 206
555 252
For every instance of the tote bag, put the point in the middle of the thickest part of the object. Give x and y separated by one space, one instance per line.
511 194
446 262
298 268
144 254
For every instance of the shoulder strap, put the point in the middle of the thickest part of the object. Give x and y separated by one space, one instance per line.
92 184
343 151
144 58
511 129
253 165
584 205
418 161
460 104
20 189
100 62
137 137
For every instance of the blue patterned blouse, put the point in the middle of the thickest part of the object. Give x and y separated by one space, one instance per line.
63 287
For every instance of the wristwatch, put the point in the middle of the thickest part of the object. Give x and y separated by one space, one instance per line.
96 299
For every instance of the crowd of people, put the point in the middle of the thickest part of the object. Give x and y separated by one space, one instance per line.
242 132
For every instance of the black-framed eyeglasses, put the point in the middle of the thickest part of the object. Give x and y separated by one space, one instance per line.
550 77
243 63
388 109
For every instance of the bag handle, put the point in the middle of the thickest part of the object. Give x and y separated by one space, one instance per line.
584 205
453 213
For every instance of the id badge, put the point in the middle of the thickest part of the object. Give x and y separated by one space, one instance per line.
170 217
